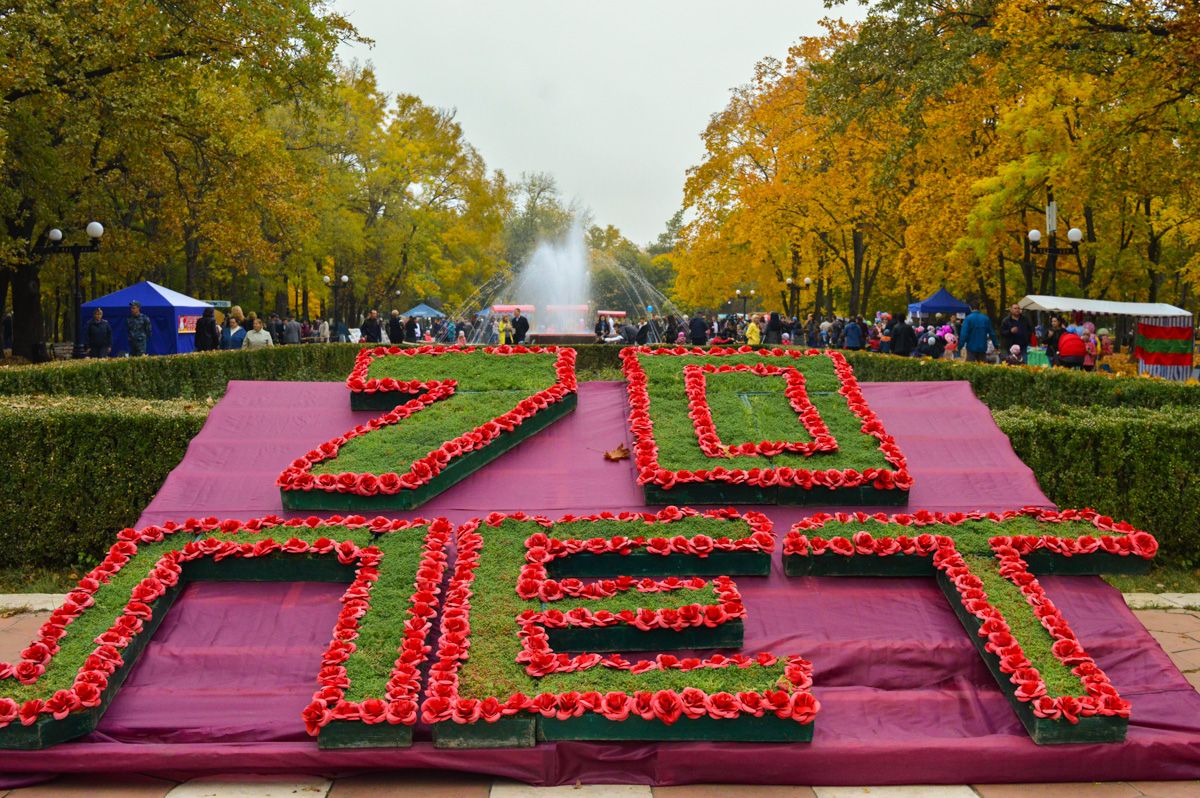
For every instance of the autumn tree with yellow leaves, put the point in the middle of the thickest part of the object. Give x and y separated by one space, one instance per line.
917 148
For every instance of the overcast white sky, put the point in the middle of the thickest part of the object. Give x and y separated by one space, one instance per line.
608 96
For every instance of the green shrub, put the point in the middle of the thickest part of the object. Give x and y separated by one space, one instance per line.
1001 387
1137 465
75 471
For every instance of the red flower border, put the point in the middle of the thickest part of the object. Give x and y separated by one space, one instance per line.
299 477
93 675
650 471
443 702
695 385
1029 687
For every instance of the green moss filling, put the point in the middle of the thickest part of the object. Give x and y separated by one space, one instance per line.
492 669
971 539
758 416
488 386
747 408
474 372
661 600
380 630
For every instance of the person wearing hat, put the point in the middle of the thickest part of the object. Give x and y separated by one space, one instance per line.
137 327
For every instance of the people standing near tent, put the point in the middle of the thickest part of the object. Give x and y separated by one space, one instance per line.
698 330
410 330
395 328
976 333
1052 336
904 340
1071 349
1015 331
137 327
753 331
504 332
323 331
233 334
520 327
99 335
773 334
258 338
291 331
208 334
372 330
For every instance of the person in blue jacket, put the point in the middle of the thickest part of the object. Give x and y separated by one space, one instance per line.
976 332
233 335
852 335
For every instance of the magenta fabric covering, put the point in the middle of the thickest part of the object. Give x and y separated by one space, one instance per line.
905 697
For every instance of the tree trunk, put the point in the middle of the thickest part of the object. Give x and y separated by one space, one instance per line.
856 277
1003 283
29 338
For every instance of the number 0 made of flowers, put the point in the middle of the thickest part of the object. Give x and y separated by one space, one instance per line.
368 680
985 564
450 412
521 656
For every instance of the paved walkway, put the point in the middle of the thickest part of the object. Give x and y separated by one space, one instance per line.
1175 628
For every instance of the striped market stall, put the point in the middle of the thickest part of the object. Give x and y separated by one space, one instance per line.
1163 338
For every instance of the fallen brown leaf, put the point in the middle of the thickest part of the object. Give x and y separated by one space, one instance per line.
619 453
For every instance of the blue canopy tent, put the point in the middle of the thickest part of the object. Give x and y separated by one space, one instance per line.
942 301
172 317
423 311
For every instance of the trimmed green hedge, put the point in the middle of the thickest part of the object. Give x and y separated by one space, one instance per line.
205 374
74 471
1138 465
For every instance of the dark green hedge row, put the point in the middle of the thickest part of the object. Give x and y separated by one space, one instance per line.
74 471
1137 465
205 374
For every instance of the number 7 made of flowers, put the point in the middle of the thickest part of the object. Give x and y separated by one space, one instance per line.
451 411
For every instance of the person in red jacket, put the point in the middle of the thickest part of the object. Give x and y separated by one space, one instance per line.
1071 350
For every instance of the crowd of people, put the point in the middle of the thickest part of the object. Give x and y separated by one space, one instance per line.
973 338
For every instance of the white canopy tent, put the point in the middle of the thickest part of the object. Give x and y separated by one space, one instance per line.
1100 307
1163 343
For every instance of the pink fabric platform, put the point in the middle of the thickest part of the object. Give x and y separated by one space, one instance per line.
905 697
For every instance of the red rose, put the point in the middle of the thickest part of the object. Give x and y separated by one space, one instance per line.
29 711
839 545
804 707
666 706
722 705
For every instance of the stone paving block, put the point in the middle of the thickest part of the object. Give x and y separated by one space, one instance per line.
413 784
898 791
1193 678
1186 660
18 632
508 789
97 787
35 602
1145 601
1182 599
248 786
734 790
1173 642
1178 621
1108 789
1168 789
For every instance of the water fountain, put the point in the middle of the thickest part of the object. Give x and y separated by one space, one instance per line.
554 289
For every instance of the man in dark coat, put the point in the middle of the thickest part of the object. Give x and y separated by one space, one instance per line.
99 335
1015 330
395 328
372 330
904 339
698 328
208 334
410 330
520 326
137 327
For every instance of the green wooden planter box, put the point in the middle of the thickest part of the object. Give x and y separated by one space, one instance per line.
382 401
516 731
628 638
1100 562
352 734
457 470
642 563
275 567
857 565
47 731
725 493
746 729
1043 731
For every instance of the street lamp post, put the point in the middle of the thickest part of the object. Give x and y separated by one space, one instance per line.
335 284
794 290
1033 241
94 231
745 298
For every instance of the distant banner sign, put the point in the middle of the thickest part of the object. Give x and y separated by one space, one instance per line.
187 324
